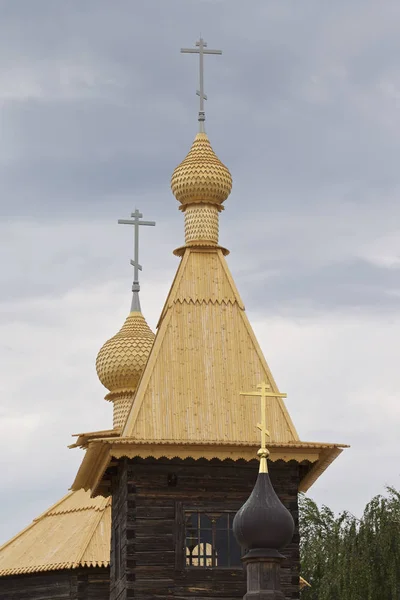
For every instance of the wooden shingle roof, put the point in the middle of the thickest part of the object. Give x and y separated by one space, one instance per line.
205 353
74 532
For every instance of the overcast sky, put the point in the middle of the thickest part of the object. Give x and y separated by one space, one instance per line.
97 106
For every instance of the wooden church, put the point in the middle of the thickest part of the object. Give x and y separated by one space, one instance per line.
151 509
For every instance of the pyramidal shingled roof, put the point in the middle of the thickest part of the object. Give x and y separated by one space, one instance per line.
74 532
205 353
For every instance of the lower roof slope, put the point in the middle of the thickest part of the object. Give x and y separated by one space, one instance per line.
74 532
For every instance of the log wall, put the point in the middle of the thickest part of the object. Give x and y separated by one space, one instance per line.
147 556
92 583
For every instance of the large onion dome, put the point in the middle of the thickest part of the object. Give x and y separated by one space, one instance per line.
201 176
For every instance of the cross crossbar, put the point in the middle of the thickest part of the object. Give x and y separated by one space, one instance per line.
201 49
136 222
263 394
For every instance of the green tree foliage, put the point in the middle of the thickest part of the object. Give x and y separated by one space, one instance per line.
344 558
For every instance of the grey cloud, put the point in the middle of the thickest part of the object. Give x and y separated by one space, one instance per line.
51 258
352 285
141 110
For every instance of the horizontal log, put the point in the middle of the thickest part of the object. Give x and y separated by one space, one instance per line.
154 545
152 558
155 512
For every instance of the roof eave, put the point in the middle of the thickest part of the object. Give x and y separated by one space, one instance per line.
83 439
327 456
52 567
100 453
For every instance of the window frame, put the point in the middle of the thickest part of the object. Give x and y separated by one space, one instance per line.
180 541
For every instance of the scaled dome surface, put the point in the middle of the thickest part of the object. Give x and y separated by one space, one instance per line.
121 360
201 176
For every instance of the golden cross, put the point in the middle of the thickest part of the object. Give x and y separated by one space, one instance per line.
263 393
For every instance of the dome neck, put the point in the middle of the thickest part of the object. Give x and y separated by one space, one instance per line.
201 227
121 406
201 224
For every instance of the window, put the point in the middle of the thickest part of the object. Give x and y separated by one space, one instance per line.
209 540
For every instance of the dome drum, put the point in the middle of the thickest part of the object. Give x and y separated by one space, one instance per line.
122 405
201 224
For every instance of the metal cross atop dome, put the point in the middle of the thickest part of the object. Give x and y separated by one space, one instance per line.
263 393
201 51
136 222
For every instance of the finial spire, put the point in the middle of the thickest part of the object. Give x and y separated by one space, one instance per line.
200 49
136 216
263 393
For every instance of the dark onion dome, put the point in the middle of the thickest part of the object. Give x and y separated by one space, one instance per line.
263 522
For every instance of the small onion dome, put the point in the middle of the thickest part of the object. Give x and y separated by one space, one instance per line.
201 176
263 523
121 360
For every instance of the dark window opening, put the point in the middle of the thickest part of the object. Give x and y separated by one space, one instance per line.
209 540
